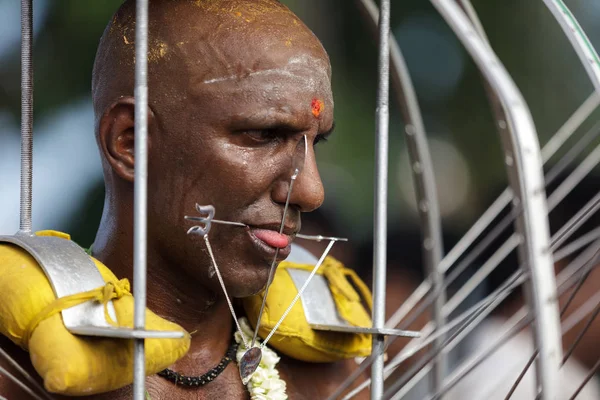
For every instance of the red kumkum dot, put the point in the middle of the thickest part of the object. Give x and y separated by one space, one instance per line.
317 107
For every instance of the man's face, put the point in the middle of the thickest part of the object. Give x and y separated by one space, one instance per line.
229 142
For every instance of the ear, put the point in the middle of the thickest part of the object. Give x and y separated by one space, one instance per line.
117 136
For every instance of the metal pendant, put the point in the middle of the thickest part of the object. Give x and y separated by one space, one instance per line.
249 363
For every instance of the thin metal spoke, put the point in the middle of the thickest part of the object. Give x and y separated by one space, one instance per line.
553 145
579 314
222 283
424 360
576 221
320 238
577 244
579 40
535 353
482 273
565 280
304 286
580 172
298 160
482 308
493 211
508 246
582 333
573 153
23 386
589 376
472 363
23 372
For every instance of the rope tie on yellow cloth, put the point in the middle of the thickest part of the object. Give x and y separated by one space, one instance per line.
103 294
343 291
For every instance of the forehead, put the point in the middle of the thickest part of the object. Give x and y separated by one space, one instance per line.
263 71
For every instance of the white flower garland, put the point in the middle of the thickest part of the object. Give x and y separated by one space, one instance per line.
265 383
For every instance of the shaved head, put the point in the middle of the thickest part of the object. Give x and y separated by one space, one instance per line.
192 42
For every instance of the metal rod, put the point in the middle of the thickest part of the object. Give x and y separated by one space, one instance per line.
573 153
589 376
535 353
478 309
140 194
497 296
576 221
582 333
304 286
586 166
26 374
422 174
381 192
577 244
216 221
579 266
421 291
426 359
320 238
224 288
579 40
566 130
524 165
26 114
549 150
23 386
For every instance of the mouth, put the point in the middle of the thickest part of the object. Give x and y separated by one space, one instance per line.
267 240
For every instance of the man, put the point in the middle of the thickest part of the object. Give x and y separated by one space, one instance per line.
233 87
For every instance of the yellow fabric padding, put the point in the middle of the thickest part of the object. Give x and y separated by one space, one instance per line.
70 364
295 337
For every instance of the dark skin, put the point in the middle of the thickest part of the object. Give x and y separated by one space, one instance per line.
231 87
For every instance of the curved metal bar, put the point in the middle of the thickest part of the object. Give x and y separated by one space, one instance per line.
26 114
140 194
523 159
579 40
423 177
381 186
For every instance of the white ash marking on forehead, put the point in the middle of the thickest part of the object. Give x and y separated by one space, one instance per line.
289 71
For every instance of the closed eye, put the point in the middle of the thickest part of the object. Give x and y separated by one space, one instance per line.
263 135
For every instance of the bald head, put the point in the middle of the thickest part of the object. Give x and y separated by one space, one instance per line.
196 42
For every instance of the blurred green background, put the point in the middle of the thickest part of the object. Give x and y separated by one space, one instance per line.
68 189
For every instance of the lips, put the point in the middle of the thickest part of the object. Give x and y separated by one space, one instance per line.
272 238
267 240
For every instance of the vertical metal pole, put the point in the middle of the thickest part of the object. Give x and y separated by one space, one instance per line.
381 186
140 193
26 113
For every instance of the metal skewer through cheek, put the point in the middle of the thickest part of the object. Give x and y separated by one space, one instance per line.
298 160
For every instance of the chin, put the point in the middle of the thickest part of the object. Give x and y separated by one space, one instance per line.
248 280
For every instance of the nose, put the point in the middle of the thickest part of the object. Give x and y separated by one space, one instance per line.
307 193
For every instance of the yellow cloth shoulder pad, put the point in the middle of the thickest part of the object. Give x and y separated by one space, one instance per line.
295 337
69 364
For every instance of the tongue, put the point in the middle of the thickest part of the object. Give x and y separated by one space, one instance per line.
272 238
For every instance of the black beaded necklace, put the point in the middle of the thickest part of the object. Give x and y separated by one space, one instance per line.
201 380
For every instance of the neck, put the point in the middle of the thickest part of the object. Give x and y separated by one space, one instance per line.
171 294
